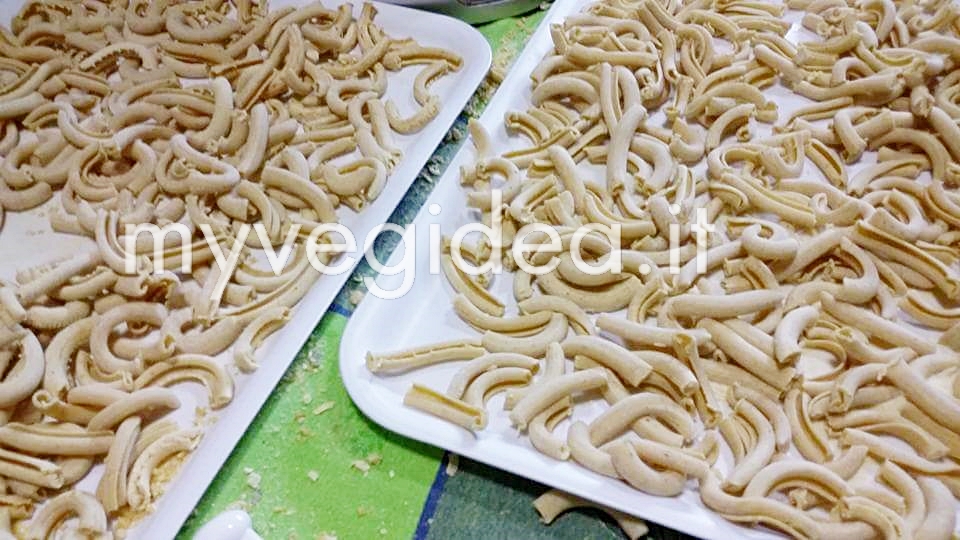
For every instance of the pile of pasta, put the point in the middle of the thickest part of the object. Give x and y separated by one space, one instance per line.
817 349
169 113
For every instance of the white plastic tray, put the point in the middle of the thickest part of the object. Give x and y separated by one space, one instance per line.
228 425
425 315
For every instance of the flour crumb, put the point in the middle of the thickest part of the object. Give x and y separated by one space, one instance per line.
356 296
323 407
453 464
253 479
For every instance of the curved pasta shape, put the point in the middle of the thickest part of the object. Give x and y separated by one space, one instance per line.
493 381
131 313
253 335
26 374
604 299
206 176
813 476
771 410
940 520
784 248
60 439
912 493
212 374
302 188
893 249
725 306
757 457
641 476
929 399
92 519
540 430
542 396
483 364
882 518
689 462
60 410
627 366
138 483
523 324
808 441
112 489
647 335
139 402
533 345
554 502
586 454
57 317
615 420
181 29
222 117
908 459
787 335
775 514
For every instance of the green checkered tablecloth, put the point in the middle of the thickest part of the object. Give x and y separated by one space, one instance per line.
312 464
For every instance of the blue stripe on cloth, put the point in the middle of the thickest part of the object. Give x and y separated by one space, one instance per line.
433 498
340 310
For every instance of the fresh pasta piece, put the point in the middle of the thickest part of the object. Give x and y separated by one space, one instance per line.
629 367
112 489
205 369
641 476
140 402
92 520
424 356
253 335
541 435
615 420
758 456
533 345
545 394
483 364
554 502
139 492
60 439
26 373
586 454
941 518
454 410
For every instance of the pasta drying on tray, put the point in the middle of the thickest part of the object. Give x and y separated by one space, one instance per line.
784 338
194 114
